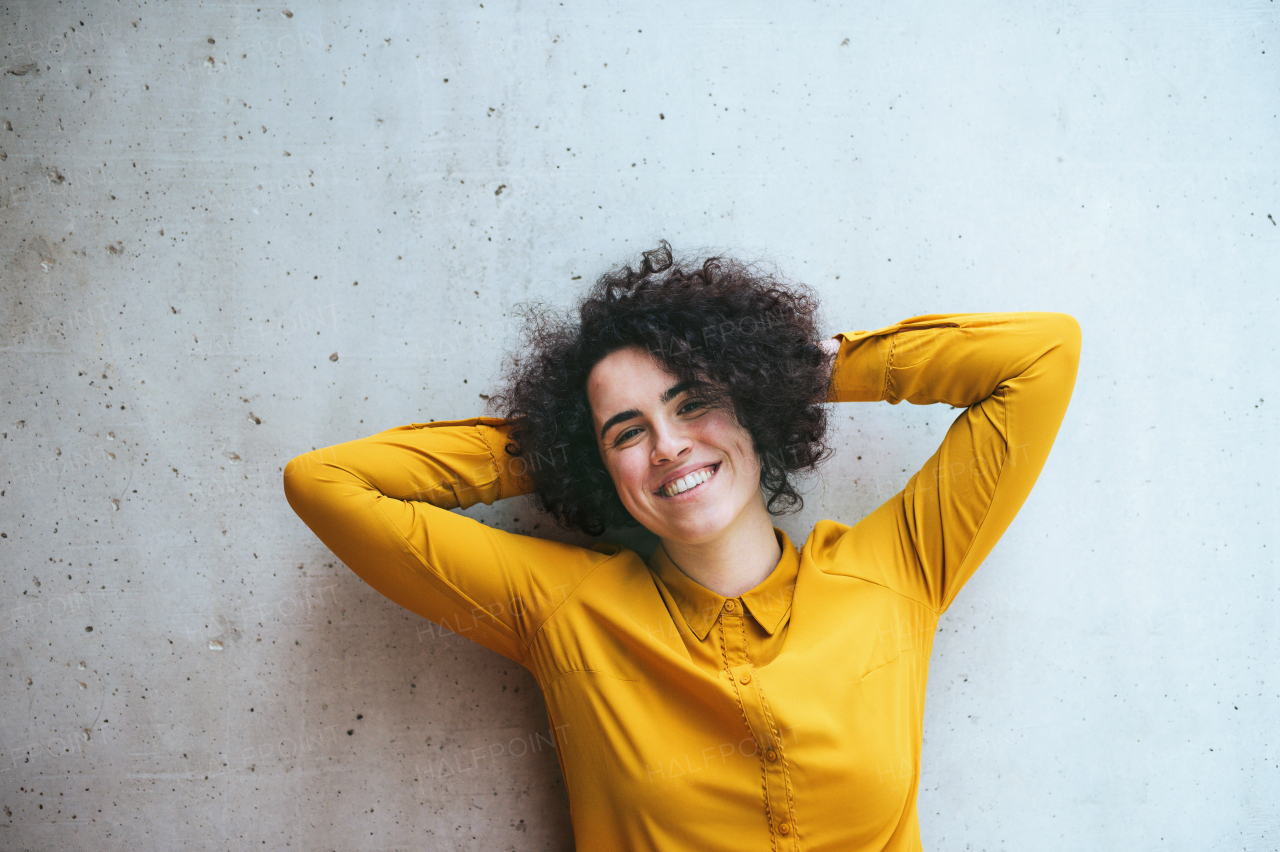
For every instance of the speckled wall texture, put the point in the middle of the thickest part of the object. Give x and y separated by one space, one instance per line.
232 232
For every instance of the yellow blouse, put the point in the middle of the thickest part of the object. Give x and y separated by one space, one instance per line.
788 718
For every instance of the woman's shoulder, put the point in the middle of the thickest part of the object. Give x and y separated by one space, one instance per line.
836 547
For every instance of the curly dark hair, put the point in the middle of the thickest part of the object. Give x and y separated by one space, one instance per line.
748 339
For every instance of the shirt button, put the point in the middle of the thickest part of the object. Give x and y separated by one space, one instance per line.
771 755
745 677
785 828
730 606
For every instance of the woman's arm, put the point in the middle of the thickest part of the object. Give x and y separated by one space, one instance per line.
381 505
1013 374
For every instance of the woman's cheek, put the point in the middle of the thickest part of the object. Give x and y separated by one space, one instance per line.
631 478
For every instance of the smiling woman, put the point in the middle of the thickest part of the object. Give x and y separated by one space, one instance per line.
745 340
733 691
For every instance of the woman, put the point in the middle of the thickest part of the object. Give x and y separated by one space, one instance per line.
732 692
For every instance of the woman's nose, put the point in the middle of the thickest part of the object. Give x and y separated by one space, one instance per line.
669 442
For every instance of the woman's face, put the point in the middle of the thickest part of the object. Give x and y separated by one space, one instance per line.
655 432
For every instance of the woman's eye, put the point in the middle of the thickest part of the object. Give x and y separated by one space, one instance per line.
691 405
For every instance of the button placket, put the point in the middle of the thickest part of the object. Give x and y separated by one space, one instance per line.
751 700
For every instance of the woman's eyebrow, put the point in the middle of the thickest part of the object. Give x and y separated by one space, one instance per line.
670 394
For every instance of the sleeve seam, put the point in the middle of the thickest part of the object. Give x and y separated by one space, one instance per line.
493 465
888 365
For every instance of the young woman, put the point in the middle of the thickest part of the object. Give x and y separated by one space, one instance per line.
733 692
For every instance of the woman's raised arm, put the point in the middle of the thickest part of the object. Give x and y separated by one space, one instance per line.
381 504
1013 373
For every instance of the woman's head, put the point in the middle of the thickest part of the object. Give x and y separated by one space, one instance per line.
741 346
683 467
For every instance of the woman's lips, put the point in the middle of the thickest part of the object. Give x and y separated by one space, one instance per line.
714 468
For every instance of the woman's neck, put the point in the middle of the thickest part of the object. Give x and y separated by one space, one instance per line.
737 560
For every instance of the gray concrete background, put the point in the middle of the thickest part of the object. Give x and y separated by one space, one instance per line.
230 233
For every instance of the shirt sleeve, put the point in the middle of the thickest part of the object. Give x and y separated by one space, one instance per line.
381 504
1013 373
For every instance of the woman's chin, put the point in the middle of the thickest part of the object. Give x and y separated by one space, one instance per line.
699 528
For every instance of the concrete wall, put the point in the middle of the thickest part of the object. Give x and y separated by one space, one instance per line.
230 233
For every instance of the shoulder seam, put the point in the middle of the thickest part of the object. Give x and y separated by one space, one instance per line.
887 588
534 637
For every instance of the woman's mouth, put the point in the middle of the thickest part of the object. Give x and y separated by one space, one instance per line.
692 483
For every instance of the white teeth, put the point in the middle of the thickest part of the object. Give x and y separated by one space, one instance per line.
685 483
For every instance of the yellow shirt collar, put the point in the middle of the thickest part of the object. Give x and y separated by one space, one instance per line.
768 602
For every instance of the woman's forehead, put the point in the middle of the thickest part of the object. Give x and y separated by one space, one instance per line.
630 380
628 372
629 360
